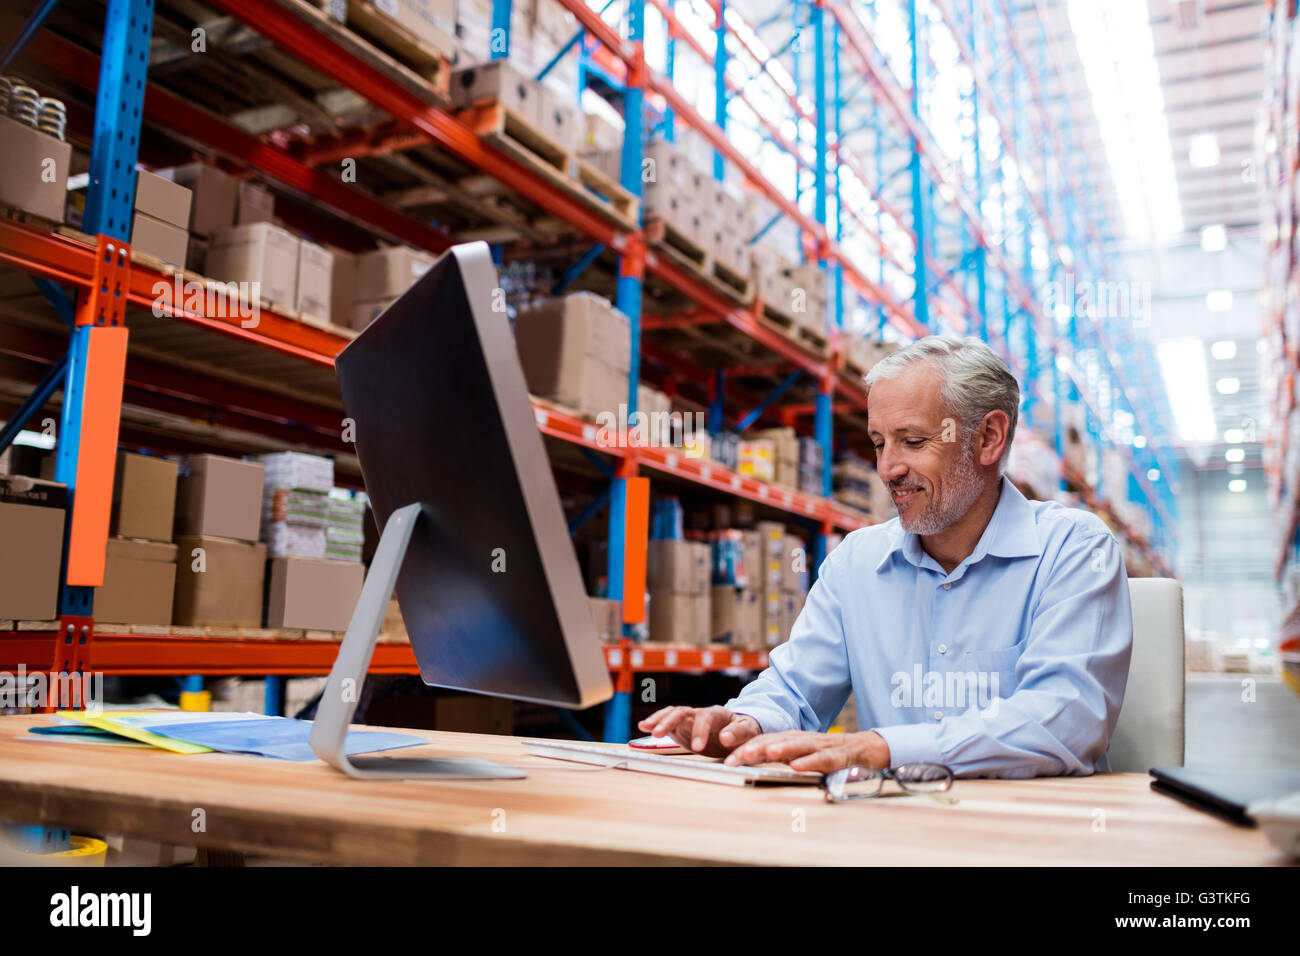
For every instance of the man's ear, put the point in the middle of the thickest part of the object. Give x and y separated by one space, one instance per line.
991 441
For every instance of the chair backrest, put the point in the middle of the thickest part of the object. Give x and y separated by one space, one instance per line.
1150 731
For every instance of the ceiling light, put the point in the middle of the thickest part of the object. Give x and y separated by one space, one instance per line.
1228 386
1153 474
1204 151
1182 363
1139 441
1236 469
1220 300
1237 484
1235 454
1117 51
1224 350
1234 436
1214 238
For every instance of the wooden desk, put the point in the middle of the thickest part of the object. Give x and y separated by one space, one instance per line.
584 816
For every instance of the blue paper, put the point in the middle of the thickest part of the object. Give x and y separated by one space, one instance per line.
281 737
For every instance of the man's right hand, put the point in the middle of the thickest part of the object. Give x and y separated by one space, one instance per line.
712 731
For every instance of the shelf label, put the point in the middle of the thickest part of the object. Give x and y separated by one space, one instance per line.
671 460
670 658
707 658
737 658
762 491
706 472
786 499
638 659
616 657
735 481
541 416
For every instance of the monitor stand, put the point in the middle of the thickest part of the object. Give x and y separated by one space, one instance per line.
339 700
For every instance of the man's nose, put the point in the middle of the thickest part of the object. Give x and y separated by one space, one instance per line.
889 466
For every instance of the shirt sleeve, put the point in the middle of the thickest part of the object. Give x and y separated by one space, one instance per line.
1069 680
807 680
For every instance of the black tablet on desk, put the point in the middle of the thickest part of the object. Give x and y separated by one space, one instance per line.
1225 793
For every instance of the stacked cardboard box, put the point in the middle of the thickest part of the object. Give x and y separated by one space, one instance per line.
312 593
677 576
162 216
769 271
345 534
140 568
576 351
214 202
736 616
785 454
756 458
608 617
730 234
540 105
811 471
31 525
295 504
809 295
772 560
34 175
378 277
539 29
260 254
430 23
220 565
673 188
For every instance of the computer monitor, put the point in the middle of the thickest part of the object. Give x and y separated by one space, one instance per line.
473 533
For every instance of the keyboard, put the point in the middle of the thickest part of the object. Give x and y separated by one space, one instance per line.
707 769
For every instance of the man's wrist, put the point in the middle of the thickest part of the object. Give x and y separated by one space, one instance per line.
874 750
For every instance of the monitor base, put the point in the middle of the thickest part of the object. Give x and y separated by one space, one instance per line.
339 700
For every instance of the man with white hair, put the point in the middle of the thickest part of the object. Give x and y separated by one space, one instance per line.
978 629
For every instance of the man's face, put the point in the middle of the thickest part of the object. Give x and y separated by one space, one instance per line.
922 456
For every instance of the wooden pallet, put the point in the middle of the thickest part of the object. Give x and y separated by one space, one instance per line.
779 317
219 633
607 189
666 238
430 58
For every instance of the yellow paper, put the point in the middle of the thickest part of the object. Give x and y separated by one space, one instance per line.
106 721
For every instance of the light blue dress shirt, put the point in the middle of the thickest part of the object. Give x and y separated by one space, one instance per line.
1013 665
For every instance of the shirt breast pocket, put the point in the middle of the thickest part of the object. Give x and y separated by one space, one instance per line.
1002 663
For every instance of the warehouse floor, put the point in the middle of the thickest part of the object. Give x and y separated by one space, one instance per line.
1225 731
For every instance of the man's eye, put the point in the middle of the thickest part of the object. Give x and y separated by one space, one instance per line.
914 442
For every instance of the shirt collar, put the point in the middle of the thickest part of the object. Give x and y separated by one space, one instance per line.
1012 532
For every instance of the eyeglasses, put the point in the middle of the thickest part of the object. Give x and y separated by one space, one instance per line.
859 783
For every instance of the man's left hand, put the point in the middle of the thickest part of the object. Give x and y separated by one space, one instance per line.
823 753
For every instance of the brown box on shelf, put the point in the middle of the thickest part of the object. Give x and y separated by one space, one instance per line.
363 313
679 566
219 582
196 255
162 199
215 196
312 593
139 583
34 174
772 614
558 118
735 616
254 203
794 565
343 286
144 497
219 496
500 82
555 334
431 22
608 617
31 526
159 239
752 543
315 280
258 252
387 273
677 618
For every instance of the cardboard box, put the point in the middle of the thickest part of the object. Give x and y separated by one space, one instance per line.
219 582
555 334
752 542
315 280
219 496
258 252
608 617
772 611
679 566
31 526
196 255
363 313
497 82
679 618
29 181
144 498
431 22
139 583
794 566
343 282
159 239
387 273
162 199
254 203
313 593
558 118
214 196
736 617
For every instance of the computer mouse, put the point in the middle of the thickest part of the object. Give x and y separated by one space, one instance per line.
658 745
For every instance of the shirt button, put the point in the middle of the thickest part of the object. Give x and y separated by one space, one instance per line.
943 648
938 715
947 586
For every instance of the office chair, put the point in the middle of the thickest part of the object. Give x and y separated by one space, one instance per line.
1150 730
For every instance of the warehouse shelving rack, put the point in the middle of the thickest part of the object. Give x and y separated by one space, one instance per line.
110 285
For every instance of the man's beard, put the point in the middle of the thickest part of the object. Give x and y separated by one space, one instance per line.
961 489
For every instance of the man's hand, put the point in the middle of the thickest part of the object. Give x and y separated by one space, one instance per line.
712 731
804 750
